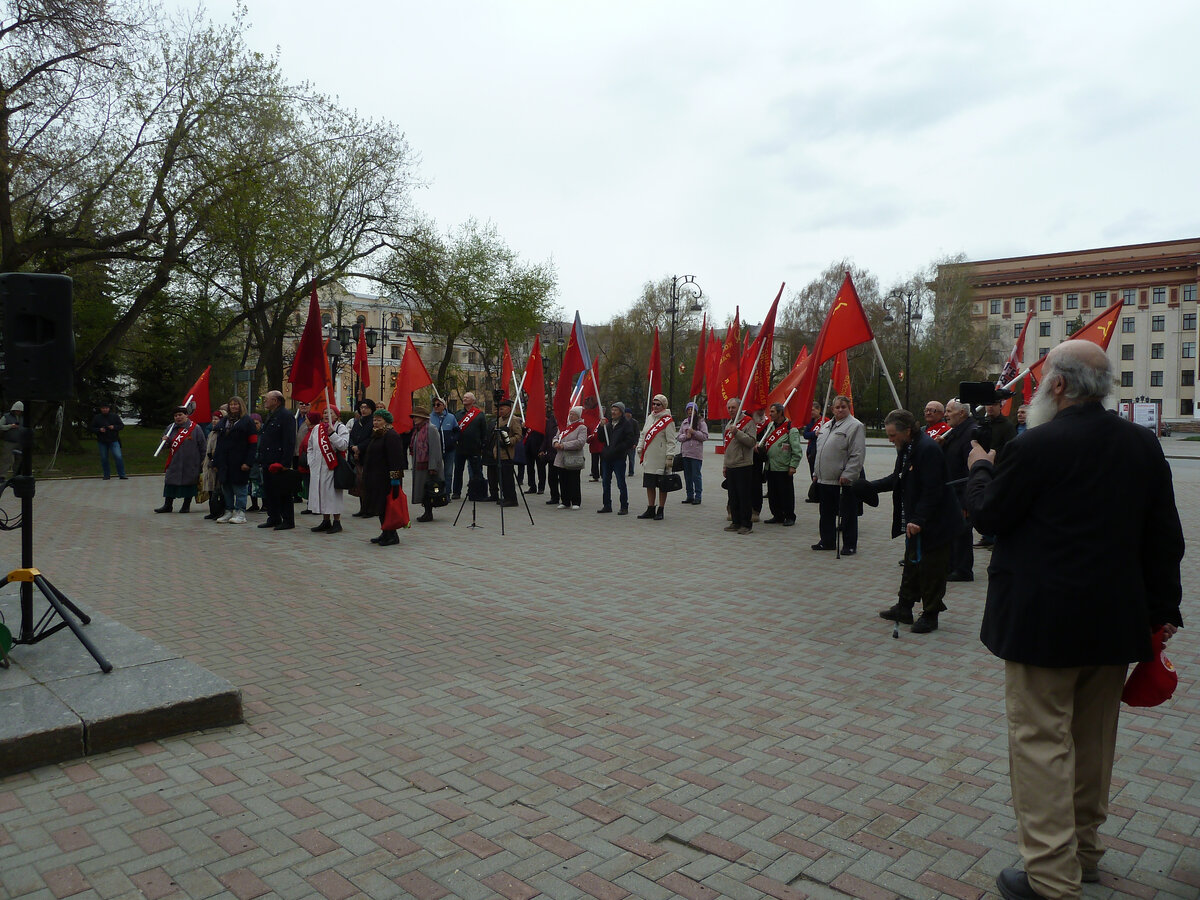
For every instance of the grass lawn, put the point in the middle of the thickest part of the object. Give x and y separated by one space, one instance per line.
137 446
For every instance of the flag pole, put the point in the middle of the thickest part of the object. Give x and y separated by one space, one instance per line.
1016 381
599 403
520 384
886 373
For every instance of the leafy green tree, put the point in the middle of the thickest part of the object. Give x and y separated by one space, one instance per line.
468 286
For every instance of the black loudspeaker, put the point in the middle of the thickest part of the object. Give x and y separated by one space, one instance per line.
39 337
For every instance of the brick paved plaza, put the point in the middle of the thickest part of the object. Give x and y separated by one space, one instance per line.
592 706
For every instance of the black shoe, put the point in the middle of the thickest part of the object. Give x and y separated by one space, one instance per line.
926 623
552 502
334 528
604 509
389 540
307 512
959 576
187 506
688 502
788 522
820 547
623 511
648 514
376 540
849 552
284 527
658 514
124 477
324 526
456 496
266 524
771 521
1013 884
897 613
166 507
360 515
696 502
426 517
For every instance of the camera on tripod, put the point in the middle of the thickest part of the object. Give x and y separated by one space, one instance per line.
977 395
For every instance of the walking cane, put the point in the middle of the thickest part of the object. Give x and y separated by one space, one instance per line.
837 532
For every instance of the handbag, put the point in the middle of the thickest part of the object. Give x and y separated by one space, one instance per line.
395 514
1152 681
677 463
671 482
435 493
574 459
343 476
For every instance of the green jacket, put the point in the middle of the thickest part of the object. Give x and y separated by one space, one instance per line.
786 452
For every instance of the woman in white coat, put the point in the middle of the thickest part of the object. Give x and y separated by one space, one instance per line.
325 442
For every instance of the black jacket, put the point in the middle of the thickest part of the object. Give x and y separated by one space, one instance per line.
277 440
956 447
235 448
112 424
622 437
920 494
1088 542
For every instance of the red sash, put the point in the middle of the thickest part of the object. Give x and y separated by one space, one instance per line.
469 417
655 430
177 442
936 431
326 448
777 434
729 431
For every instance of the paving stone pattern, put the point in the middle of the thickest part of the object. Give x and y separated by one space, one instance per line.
591 706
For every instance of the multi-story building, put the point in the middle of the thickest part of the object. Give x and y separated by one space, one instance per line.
1154 349
388 323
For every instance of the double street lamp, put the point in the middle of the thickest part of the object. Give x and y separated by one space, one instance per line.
909 300
694 290
373 338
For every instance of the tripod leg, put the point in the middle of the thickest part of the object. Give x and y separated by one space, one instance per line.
52 597
66 601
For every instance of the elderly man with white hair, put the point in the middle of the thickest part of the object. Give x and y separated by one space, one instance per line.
1067 617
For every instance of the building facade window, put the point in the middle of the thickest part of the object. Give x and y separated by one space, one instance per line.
1045 303
996 332
1129 295
395 324
1127 324
1156 351
396 350
1189 349
994 307
1126 379
1189 293
1042 351
1189 321
1156 379
1072 301
1127 351
1185 407
1019 304
1043 329
1017 328
1158 323
1100 299
1159 295
1187 378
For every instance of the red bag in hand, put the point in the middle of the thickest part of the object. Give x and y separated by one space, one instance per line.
1154 681
395 514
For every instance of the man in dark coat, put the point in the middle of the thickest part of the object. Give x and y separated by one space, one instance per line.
276 449
925 512
1002 431
956 444
473 425
1085 568
618 439
106 425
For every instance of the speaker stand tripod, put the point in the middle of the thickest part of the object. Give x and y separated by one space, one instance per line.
71 616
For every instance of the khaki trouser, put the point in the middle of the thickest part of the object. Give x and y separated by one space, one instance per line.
1062 734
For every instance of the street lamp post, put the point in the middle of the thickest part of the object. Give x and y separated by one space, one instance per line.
380 338
906 299
677 282
556 329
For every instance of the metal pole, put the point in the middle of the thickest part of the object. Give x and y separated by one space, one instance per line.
907 349
674 310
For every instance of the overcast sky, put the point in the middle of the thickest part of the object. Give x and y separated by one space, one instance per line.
753 143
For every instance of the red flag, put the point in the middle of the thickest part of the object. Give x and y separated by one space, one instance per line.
783 392
412 377
712 362
1012 365
1098 331
572 364
311 365
506 373
841 378
845 325
197 395
701 361
756 363
361 367
535 387
728 382
319 404
654 373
